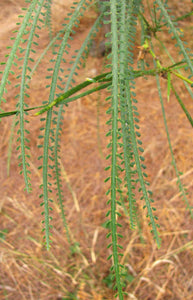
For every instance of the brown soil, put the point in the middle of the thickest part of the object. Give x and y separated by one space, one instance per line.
28 271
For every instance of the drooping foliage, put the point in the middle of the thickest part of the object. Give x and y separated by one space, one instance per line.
126 161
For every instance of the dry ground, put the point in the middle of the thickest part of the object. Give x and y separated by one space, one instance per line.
27 270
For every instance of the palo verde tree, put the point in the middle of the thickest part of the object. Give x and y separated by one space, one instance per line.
125 17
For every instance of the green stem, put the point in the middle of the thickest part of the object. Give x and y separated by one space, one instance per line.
182 77
65 98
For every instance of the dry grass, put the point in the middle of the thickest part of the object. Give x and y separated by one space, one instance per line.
27 270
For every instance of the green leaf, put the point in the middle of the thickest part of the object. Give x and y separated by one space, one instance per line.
168 85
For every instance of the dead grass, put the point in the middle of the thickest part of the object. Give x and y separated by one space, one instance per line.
28 271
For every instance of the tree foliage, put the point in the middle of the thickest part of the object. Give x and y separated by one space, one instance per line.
126 18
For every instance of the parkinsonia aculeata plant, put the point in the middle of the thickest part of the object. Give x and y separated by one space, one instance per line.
125 147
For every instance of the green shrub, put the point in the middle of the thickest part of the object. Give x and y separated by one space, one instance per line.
125 148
